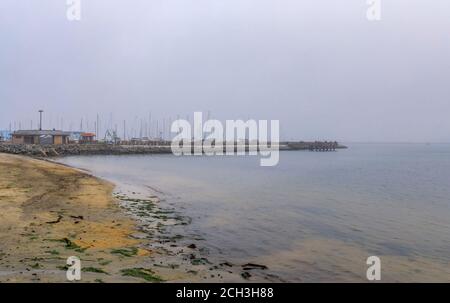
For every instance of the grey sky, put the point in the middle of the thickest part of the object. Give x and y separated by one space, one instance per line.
318 65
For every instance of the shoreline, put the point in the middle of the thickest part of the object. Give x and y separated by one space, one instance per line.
180 255
52 211
336 252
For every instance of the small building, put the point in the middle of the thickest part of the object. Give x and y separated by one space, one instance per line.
87 138
56 137
75 136
5 135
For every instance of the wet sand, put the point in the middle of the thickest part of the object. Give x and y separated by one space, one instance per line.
51 211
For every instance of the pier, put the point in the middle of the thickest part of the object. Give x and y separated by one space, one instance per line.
316 146
148 147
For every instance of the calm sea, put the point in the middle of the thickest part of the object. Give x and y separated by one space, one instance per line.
317 216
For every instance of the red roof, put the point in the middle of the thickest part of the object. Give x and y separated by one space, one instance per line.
87 135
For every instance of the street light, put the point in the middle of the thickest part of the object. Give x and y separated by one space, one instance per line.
40 119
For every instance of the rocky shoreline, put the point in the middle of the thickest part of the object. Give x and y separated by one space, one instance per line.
81 149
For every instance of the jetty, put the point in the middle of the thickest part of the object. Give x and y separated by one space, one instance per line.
136 147
319 146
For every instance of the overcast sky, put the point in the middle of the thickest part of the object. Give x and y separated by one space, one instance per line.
319 66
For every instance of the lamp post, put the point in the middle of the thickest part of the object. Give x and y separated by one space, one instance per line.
40 119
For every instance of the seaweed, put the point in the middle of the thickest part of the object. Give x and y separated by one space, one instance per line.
106 262
126 252
36 266
68 244
142 273
94 269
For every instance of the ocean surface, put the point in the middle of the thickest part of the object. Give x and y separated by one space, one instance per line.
315 217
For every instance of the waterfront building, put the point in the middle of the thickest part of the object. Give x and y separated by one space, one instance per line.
40 137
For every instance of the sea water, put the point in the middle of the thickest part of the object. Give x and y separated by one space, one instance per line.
316 216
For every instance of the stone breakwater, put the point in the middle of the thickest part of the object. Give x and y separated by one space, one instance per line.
81 149
109 149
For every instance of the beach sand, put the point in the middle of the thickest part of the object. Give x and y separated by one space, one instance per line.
50 212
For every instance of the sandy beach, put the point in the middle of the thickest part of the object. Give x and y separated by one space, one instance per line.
52 211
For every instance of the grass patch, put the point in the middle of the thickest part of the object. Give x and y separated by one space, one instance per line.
52 252
126 252
142 273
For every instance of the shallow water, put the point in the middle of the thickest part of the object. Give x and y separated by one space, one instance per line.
316 216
